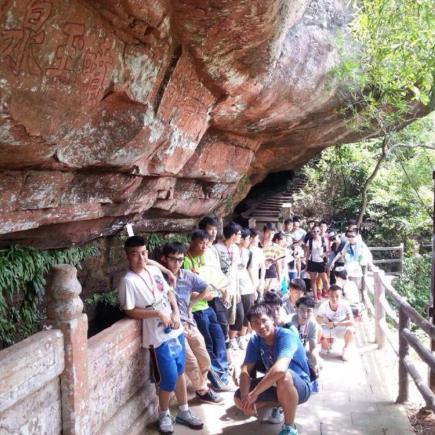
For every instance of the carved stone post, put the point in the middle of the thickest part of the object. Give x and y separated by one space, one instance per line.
64 312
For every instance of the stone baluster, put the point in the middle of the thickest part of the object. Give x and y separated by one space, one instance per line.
65 312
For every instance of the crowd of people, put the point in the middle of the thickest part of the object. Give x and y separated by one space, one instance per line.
275 295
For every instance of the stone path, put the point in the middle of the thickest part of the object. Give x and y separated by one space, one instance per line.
355 397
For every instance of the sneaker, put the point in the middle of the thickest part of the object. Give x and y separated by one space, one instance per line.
345 356
165 423
189 419
225 387
210 397
288 430
275 416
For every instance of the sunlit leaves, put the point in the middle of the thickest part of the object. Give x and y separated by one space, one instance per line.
395 64
400 197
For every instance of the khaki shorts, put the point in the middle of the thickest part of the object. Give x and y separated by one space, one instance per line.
337 332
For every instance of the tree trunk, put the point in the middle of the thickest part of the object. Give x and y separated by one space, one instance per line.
365 191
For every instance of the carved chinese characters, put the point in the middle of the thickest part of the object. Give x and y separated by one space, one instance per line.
50 45
17 44
67 53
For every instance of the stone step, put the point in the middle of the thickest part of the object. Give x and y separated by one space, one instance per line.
263 214
268 206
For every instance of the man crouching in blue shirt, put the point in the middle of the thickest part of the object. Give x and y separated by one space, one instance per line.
287 379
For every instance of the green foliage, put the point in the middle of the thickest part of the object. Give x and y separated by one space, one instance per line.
334 183
109 298
400 198
394 64
154 241
415 282
22 286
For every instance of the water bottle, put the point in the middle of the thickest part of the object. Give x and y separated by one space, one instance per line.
174 346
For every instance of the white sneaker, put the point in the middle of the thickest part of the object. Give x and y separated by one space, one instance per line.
274 416
166 425
189 419
346 354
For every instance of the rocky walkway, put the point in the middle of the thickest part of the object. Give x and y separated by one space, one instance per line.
355 397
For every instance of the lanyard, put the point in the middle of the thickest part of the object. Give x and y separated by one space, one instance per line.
195 264
149 287
303 333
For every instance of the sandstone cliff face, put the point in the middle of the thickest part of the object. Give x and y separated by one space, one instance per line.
157 113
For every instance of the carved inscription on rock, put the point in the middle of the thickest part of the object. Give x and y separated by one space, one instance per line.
95 67
69 52
16 45
73 52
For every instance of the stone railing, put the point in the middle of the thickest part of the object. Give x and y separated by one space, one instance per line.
58 381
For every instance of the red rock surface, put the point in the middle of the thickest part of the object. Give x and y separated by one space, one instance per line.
156 112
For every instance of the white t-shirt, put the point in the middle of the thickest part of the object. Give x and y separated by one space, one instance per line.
298 234
257 260
229 259
211 258
308 332
316 254
135 291
245 283
342 313
351 291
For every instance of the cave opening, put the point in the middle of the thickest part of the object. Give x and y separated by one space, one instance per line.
274 185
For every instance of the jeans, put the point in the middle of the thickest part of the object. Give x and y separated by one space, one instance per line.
292 275
221 315
214 342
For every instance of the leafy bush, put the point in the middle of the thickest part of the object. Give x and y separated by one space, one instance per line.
22 286
108 298
155 241
415 282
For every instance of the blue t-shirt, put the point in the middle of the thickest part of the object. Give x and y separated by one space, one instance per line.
187 282
286 344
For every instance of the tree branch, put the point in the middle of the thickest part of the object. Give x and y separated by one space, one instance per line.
386 150
428 146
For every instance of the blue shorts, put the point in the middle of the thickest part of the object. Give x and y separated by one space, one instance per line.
170 367
302 387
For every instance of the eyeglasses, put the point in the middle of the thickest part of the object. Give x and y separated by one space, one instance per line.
177 259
